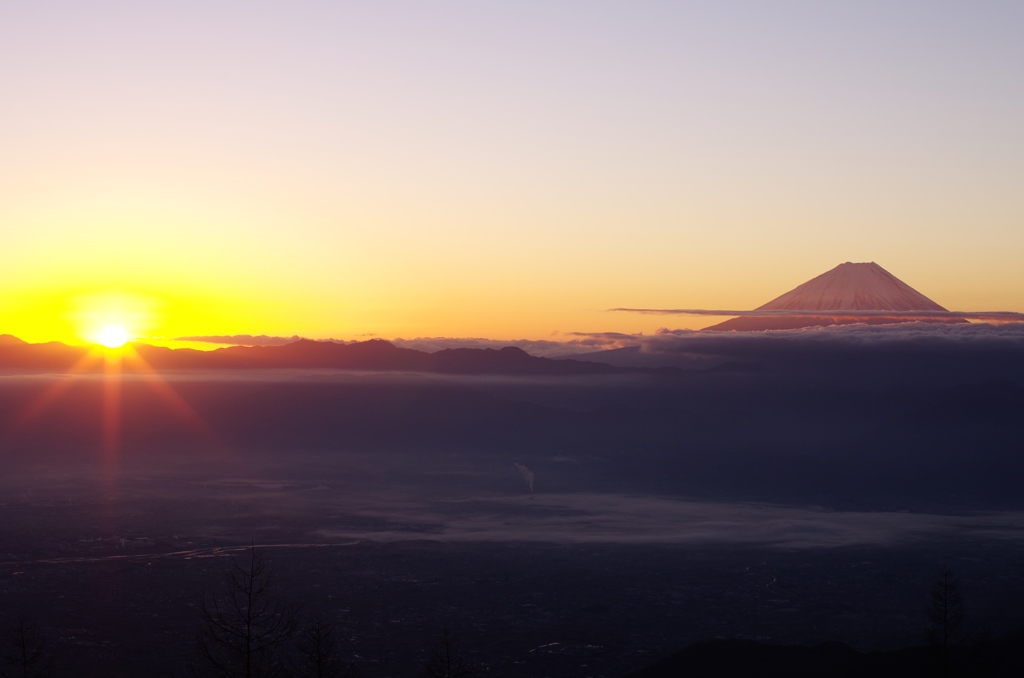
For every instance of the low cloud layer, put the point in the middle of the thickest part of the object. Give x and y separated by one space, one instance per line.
538 347
631 519
901 352
732 343
908 316
921 335
992 350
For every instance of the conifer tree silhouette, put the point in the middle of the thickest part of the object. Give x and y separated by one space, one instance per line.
946 615
243 627
25 651
448 661
319 656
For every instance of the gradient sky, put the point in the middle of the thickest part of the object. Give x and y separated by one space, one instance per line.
504 170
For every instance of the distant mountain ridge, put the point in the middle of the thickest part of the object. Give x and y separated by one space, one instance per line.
373 355
847 287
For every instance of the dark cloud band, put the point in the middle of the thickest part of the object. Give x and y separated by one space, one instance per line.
993 316
242 339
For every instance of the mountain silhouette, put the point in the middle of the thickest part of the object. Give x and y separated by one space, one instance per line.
847 287
372 355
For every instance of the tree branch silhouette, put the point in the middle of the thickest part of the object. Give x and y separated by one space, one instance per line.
243 626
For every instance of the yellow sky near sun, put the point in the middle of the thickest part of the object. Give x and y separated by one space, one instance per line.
171 268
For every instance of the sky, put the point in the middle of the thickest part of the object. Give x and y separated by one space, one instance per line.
498 170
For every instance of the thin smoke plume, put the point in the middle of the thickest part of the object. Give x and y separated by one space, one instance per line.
527 476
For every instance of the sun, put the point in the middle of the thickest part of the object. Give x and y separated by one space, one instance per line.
110 319
112 336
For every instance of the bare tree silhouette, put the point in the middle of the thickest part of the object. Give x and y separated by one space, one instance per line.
243 627
946 615
26 651
319 656
448 661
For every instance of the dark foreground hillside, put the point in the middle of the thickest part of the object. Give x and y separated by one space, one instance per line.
728 658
